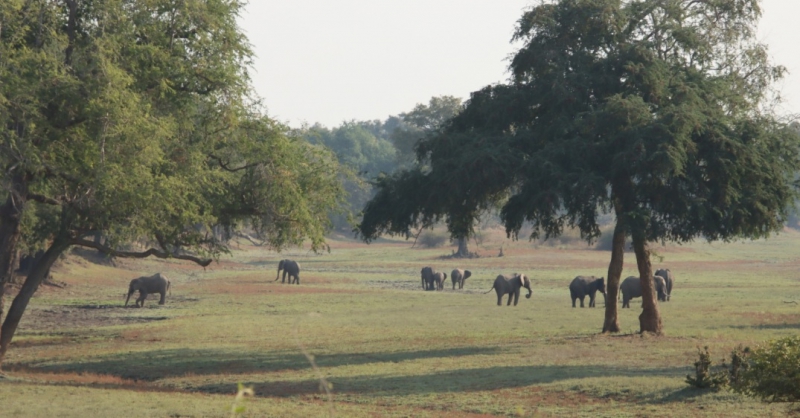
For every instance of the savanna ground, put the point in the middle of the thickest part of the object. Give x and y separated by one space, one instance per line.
387 347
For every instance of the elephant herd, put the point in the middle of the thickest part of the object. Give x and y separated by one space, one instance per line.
579 288
433 280
503 284
630 288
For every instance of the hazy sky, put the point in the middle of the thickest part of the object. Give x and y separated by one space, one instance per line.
328 61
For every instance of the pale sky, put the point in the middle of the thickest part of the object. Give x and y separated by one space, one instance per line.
330 61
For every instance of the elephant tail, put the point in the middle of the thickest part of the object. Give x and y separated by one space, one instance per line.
489 289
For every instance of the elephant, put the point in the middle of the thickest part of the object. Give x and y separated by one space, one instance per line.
156 283
458 277
427 277
505 285
586 285
291 268
669 278
631 288
438 280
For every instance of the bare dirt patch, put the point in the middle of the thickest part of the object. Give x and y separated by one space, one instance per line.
416 285
86 316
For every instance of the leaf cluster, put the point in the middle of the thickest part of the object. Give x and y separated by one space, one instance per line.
133 119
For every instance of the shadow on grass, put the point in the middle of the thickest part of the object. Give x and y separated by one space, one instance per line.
160 364
767 326
453 381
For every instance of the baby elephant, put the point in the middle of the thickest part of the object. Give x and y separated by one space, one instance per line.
458 277
438 280
156 283
669 279
505 285
587 285
632 288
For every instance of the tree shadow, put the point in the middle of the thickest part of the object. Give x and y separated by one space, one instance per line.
767 326
683 395
453 381
159 364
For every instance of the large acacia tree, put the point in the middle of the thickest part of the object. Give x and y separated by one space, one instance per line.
655 110
132 119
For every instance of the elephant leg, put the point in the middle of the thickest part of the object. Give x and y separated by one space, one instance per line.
142 297
499 299
573 301
591 301
454 284
163 297
516 297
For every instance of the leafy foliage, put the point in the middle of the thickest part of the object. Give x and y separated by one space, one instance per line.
770 372
420 122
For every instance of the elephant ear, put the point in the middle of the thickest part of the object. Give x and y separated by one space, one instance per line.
522 279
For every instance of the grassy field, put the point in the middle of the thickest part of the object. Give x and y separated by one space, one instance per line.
388 348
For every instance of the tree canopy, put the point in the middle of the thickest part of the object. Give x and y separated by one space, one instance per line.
658 111
133 119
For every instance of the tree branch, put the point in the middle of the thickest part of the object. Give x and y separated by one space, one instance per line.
144 254
232 170
43 199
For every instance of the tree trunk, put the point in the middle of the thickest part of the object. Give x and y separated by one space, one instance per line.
650 319
463 249
37 274
611 322
10 218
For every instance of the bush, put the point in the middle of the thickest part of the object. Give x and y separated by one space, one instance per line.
770 372
433 239
704 377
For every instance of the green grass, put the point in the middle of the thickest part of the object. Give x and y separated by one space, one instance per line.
389 348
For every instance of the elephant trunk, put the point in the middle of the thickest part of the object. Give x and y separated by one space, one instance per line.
128 298
530 292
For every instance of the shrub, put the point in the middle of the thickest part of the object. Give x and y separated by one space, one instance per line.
433 239
704 377
771 372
